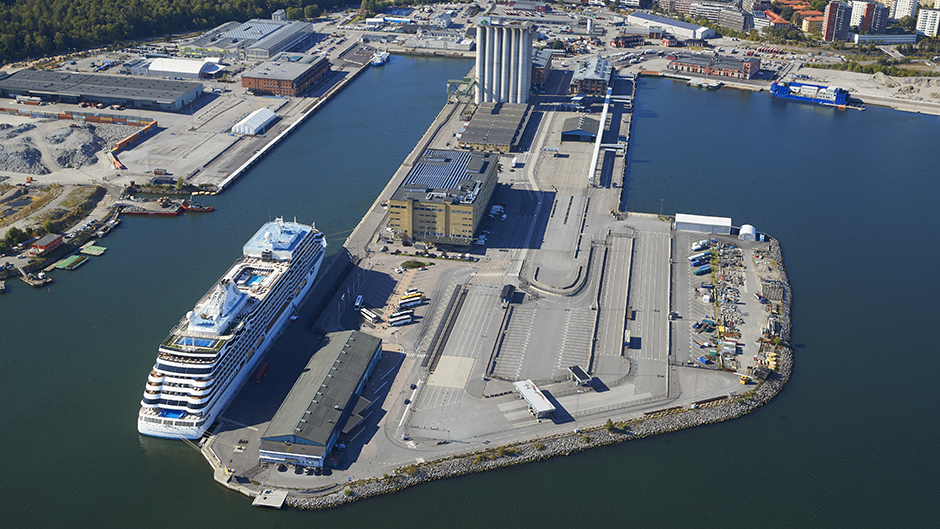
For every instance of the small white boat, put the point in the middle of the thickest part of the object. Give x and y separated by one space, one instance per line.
381 57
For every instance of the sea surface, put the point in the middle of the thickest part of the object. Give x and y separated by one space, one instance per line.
850 442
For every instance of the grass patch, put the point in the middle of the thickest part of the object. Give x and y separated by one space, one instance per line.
411 264
76 197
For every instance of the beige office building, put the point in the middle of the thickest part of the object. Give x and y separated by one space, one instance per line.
444 197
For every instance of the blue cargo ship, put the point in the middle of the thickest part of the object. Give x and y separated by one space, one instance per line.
824 95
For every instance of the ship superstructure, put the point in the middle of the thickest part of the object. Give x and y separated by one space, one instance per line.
206 358
825 95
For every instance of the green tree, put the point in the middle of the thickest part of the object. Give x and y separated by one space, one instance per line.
49 226
558 45
15 236
609 426
312 11
907 22
295 13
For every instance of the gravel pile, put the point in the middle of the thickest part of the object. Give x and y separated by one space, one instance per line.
21 156
71 145
76 146
111 133
12 132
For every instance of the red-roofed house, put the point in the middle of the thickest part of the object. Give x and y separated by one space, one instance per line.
776 20
47 244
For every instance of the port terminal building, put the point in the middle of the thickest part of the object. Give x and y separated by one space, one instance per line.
288 77
325 402
538 403
592 77
743 68
132 92
255 40
678 28
444 197
495 127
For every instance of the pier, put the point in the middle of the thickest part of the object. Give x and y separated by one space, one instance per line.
312 109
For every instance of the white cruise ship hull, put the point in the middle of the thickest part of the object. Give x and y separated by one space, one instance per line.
169 428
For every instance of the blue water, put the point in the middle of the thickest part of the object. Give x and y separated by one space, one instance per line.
850 442
197 342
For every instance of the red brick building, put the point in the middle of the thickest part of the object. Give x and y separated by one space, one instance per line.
47 244
628 41
744 68
541 66
285 78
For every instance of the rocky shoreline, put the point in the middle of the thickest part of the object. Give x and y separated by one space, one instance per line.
665 421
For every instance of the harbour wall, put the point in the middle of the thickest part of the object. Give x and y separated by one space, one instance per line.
303 117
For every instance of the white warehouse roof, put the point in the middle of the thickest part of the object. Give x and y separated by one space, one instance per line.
676 27
184 66
538 403
685 222
702 219
255 122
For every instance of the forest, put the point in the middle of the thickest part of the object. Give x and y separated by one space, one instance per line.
38 28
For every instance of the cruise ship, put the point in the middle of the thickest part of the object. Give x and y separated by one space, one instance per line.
211 352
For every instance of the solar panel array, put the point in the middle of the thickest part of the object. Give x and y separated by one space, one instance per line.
439 175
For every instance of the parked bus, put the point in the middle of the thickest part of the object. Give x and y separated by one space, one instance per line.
406 312
413 302
698 256
416 295
411 291
358 304
401 320
369 315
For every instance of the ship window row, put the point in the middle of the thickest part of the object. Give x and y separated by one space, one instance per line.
184 370
173 423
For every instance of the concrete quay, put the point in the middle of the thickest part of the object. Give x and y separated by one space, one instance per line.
580 262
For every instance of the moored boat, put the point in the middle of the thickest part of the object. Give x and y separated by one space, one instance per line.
189 205
811 93
381 57
209 354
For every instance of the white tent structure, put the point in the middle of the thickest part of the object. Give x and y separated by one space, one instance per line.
748 233
719 225
255 122
185 68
